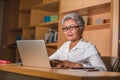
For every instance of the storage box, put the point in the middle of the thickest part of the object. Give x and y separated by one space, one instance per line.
47 19
53 17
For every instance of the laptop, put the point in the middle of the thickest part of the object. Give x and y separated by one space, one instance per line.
33 53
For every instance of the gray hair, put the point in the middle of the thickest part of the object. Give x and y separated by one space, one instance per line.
75 16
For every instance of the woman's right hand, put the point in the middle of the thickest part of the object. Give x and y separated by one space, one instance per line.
56 63
64 64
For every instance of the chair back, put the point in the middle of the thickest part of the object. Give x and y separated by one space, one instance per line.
112 63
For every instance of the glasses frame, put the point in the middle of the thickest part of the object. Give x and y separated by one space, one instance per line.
71 28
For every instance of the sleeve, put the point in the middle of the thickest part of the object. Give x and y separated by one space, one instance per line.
94 59
55 55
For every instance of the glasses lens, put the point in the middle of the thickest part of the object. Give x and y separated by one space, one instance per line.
70 28
63 29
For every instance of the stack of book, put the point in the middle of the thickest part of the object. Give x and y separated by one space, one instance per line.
51 37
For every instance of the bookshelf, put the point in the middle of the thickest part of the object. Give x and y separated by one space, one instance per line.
31 17
32 26
31 20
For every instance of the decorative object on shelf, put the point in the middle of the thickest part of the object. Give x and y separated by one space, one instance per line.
85 18
106 20
99 21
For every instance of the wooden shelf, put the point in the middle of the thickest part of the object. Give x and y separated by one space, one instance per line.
51 6
12 46
30 27
42 24
89 9
48 23
28 11
92 8
94 27
16 30
51 44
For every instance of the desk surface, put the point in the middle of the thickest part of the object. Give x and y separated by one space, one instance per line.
62 74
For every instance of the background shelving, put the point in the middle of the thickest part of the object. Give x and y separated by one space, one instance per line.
98 34
25 18
31 20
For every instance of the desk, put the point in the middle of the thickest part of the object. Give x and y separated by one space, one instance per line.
60 74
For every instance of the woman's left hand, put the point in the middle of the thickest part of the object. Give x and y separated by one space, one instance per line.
69 64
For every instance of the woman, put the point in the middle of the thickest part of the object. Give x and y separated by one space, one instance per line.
76 53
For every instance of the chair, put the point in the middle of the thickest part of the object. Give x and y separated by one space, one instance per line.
112 63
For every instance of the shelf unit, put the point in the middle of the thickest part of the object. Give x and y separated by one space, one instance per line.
97 27
31 20
34 15
98 34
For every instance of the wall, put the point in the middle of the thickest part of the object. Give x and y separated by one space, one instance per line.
1 20
119 32
10 22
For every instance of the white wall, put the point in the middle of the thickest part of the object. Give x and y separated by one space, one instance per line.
1 17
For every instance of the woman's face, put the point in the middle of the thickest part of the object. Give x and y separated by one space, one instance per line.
73 32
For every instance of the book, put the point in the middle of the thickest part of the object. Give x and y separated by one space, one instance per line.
47 36
51 39
52 36
56 37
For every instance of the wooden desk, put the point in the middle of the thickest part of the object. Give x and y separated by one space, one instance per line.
60 74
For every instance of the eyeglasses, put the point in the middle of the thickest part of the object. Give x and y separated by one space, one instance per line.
71 28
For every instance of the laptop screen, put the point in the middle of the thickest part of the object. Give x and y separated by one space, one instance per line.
33 53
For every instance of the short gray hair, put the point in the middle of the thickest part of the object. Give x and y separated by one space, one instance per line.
75 16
